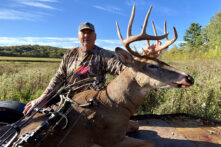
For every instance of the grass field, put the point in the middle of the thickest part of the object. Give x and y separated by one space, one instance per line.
28 59
24 81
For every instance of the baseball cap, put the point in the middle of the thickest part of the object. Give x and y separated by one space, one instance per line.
86 25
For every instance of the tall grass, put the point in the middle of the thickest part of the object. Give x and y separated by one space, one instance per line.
29 59
25 81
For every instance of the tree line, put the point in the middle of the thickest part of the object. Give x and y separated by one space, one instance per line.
200 41
32 51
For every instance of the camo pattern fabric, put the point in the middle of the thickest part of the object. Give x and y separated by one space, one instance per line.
99 60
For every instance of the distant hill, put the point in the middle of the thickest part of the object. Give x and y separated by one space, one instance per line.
32 51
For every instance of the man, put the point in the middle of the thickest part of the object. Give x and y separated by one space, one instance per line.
101 61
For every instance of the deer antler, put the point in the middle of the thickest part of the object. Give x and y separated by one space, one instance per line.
143 35
167 42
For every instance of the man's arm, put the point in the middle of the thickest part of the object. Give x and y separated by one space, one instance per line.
55 83
54 86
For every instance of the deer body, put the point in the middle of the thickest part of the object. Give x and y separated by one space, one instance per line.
105 123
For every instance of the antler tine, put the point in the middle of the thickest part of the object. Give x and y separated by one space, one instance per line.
127 41
154 29
131 21
143 35
118 32
148 42
169 42
145 21
155 32
135 49
165 29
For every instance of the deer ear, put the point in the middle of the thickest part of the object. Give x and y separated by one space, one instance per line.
124 57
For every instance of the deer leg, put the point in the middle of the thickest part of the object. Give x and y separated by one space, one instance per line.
133 142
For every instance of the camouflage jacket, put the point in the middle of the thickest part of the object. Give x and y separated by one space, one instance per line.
101 61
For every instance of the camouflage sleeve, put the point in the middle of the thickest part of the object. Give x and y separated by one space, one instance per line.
112 64
59 77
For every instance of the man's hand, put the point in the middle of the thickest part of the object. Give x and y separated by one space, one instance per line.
151 50
30 105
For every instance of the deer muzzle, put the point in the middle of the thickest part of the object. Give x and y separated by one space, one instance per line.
184 82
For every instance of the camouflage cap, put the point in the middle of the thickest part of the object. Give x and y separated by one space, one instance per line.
86 25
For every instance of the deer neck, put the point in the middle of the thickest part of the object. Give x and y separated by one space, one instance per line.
126 91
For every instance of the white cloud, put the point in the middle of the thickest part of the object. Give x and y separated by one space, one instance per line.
20 9
37 4
111 9
18 15
55 41
50 41
47 0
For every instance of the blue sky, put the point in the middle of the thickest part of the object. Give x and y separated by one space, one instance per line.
55 22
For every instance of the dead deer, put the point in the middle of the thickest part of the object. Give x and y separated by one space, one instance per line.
105 123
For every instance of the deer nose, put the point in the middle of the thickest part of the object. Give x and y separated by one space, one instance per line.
189 79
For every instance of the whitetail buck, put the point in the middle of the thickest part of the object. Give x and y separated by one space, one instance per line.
105 123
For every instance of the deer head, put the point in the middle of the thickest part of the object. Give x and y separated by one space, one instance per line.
149 71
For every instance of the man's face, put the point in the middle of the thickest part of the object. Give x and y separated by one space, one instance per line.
87 38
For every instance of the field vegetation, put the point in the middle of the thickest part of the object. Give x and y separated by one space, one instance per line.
32 51
24 81
28 59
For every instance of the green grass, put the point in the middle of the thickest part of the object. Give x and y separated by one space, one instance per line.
24 81
28 59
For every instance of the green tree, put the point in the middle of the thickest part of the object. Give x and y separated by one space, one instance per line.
193 36
32 51
214 32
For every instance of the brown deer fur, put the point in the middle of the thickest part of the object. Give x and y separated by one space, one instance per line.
105 123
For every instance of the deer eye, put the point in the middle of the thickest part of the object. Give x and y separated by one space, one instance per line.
152 66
